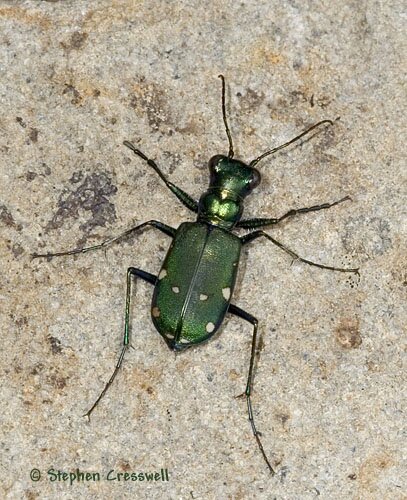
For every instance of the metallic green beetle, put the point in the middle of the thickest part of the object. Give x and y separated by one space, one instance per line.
193 290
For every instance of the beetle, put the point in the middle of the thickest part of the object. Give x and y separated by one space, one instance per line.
194 288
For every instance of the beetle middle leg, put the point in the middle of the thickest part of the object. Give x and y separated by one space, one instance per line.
150 278
257 234
251 319
158 225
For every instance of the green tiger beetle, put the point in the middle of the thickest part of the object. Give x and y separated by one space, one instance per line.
194 288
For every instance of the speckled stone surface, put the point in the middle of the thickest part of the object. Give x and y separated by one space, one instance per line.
76 79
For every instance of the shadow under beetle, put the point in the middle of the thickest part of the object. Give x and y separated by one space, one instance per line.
193 291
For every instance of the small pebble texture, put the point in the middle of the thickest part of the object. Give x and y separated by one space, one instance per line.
77 78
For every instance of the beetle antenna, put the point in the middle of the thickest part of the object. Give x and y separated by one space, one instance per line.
231 152
274 150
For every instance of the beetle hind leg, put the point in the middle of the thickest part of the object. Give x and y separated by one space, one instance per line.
251 319
150 278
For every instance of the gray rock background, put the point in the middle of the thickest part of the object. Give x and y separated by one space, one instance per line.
77 78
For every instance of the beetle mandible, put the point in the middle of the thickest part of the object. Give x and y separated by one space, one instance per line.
194 288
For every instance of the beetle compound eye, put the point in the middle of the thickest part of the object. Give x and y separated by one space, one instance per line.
214 162
255 180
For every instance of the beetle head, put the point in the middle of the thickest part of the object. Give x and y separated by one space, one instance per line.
233 175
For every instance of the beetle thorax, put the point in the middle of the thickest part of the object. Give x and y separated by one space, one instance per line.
230 182
220 207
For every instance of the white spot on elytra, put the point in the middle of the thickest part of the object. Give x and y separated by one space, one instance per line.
175 289
203 297
169 335
226 293
183 341
163 274
155 312
210 327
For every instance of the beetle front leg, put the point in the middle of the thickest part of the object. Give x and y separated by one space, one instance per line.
158 225
257 234
260 222
183 197
150 278
251 319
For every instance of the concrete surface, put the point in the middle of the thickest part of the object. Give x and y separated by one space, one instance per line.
78 78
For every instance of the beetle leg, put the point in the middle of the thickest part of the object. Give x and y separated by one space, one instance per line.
257 234
183 197
150 278
251 319
158 225
260 222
